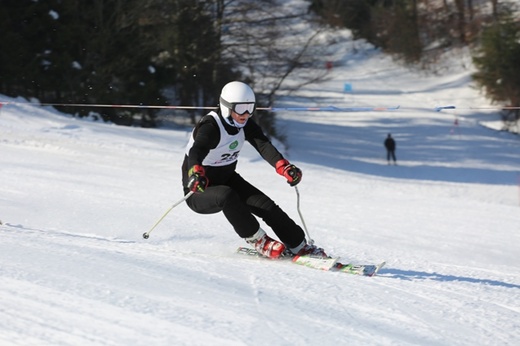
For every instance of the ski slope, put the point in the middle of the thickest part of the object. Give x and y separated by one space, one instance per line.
76 197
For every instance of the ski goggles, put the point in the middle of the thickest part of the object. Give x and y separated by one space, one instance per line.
240 108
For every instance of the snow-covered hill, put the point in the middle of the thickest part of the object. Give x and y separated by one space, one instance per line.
76 196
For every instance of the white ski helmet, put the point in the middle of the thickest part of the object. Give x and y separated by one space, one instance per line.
239 97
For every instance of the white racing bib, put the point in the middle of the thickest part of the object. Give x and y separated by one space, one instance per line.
227 149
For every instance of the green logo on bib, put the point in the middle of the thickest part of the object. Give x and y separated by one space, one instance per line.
233 145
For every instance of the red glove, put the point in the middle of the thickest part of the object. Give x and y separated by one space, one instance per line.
292 173
197 181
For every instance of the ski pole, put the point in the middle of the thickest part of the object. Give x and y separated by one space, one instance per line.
301 216
146 235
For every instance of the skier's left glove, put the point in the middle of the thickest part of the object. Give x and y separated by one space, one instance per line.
292 173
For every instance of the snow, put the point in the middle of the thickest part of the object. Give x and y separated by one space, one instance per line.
54 14
77 195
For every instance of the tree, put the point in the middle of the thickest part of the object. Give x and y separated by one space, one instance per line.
109 52
24 47
352 14
497 61
267 43
397 30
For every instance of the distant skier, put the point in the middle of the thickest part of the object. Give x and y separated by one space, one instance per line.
209 171
390 148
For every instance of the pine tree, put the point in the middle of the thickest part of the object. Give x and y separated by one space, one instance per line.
497 61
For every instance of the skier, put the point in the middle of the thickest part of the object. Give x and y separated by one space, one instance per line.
390 148
209 171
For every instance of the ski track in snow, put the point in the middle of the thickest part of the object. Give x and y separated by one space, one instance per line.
58 281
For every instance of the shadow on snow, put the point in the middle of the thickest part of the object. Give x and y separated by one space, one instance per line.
425 151
412 275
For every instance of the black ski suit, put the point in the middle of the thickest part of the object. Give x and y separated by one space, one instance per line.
390 148
228 192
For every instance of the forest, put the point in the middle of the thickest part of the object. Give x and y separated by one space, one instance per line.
181 52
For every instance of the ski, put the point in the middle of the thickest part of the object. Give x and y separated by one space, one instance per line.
316 262
358 269
328 264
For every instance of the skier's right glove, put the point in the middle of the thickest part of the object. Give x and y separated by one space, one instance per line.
197 181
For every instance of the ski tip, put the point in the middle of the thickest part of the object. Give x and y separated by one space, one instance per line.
378 267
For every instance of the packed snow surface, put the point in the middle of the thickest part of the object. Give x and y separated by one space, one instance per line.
76 197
